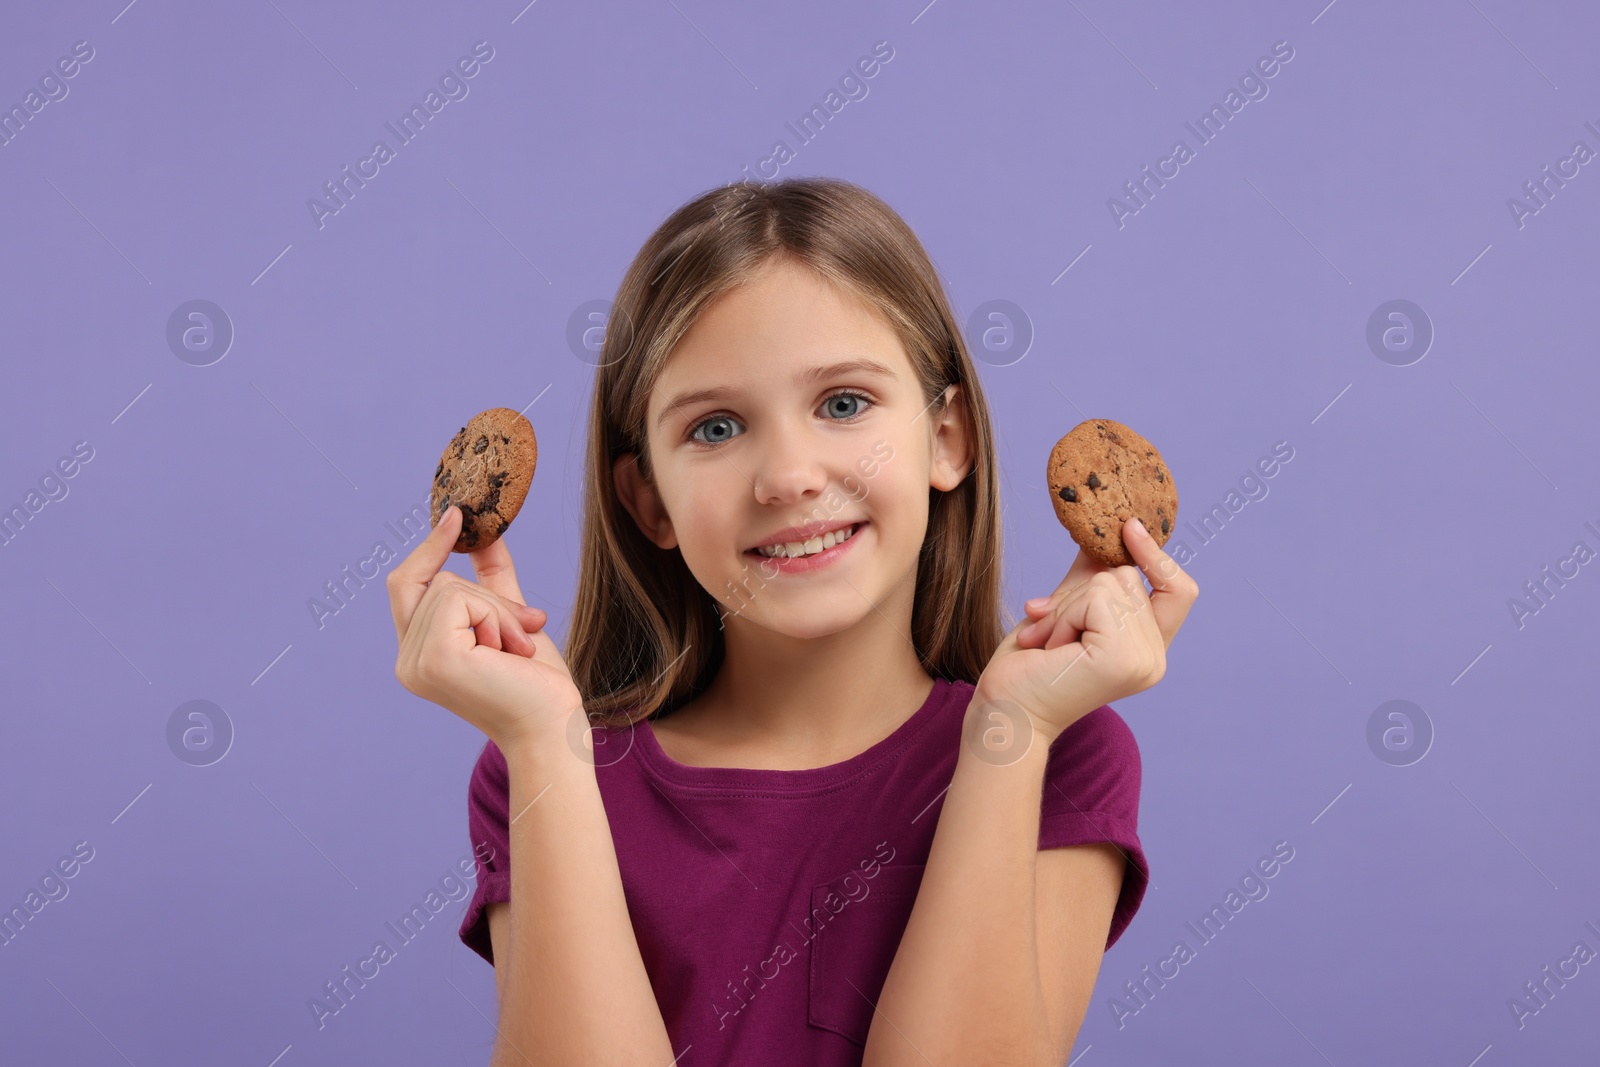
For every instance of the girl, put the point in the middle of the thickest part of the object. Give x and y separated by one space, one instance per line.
793 795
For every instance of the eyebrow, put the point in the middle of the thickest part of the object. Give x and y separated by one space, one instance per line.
805 377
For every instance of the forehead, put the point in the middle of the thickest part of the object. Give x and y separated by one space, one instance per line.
783 328
771 330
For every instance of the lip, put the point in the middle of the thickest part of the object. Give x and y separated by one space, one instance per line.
806 532
807 564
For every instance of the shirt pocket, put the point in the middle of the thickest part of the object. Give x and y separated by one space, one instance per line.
855 945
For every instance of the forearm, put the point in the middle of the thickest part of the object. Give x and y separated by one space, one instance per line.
964 986
576 990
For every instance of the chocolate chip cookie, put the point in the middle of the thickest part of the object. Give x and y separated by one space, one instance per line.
485 471
1102 474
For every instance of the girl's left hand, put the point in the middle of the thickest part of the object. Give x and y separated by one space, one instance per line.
1099 637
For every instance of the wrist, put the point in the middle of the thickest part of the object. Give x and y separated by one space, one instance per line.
1002 733
545 738
1046 722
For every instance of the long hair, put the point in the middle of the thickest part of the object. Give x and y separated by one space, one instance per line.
645 636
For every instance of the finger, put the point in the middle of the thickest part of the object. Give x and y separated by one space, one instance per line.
1070 619
1042 613
485 619
526 621
1172 592
1064 624
410 577
531 618
496 572
1094 609
1062 630
1053 629
515 622
462 602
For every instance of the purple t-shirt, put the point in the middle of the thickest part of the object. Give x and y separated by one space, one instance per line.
759 897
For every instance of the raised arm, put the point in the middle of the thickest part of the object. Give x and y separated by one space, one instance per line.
574 989
968 984
977 976
572 984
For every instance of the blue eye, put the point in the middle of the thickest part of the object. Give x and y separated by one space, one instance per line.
845 398
844 406
719 436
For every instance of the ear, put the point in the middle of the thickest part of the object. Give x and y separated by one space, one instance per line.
642 501
952 451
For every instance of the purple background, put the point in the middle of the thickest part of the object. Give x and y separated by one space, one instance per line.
1228 315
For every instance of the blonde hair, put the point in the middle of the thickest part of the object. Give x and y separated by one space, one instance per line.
645 636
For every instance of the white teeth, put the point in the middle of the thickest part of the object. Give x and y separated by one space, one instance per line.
792 549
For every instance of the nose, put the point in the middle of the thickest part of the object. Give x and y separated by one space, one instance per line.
789 465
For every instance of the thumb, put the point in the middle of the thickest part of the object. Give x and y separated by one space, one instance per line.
409 579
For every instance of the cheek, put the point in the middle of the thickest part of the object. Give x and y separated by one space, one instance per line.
704 503
896 498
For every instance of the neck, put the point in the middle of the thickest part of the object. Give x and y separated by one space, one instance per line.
822 696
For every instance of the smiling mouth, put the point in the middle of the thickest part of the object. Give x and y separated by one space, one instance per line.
801 549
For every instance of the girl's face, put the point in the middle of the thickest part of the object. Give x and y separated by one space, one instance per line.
789 411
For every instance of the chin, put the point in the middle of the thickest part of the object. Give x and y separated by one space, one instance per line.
800 624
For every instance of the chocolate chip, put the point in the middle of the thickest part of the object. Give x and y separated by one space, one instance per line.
439 470
1069 494
498 478
1099 532
1160 477
483 443
501 527
1094 480
1166 527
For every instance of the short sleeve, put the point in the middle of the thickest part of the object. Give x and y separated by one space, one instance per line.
488 801
1091 794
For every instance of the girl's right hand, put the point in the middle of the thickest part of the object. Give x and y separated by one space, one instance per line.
475 647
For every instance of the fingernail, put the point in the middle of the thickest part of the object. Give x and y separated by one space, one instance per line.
1140 527
1036 601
